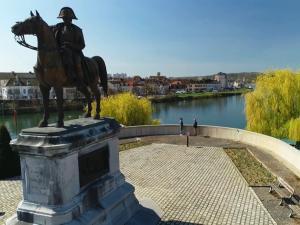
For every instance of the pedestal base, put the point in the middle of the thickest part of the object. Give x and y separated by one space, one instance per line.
71 176
118 208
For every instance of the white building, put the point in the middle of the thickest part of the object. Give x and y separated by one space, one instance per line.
238 84
222 79
119 76
20 92
208 86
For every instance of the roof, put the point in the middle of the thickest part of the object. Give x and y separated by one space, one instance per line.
10 78
8 75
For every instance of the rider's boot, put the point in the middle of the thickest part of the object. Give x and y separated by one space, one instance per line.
80 76
73 78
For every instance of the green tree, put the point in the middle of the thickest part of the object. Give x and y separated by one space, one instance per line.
127 109
9 160
274 103
294 131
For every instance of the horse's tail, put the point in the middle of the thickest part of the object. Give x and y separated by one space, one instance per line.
102 73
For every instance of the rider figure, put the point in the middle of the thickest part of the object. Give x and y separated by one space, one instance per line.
71 42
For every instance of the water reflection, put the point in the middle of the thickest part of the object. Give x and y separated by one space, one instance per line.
31 120
222 111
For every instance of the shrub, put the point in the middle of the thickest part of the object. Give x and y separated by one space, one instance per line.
9 160
127 109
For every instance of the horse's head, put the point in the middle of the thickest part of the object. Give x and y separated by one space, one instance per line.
31 25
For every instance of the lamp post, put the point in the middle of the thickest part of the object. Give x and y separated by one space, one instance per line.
2 110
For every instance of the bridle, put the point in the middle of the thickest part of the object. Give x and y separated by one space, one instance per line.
20 39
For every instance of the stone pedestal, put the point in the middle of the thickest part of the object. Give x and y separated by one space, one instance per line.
71 175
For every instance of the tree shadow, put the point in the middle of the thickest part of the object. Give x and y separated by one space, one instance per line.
14 178
147 216
176 222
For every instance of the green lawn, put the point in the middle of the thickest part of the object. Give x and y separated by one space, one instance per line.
196 95
252 170
211 94
131 145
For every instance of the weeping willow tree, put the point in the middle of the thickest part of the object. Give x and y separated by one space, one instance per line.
294 131
274 106
127 109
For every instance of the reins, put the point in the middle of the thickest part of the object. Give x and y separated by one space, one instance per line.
20 39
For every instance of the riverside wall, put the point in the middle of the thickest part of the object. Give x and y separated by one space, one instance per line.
282 151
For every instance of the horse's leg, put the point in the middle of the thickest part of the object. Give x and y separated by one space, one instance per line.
59 101
87 96
45 93
97 95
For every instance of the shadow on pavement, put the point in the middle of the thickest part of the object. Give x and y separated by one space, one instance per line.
176 222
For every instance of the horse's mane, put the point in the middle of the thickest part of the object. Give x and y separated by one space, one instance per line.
45 24
49 28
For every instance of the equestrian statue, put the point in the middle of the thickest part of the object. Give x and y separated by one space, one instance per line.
61 63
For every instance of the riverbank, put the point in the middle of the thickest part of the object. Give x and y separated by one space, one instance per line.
36 106
197 95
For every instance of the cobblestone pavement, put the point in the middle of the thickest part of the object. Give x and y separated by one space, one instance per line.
193 185
10 196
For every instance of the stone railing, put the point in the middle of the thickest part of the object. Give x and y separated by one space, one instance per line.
282 151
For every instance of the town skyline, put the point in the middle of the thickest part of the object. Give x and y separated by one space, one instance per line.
190 39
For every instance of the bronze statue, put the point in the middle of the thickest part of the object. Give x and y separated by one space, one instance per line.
60 62
70 40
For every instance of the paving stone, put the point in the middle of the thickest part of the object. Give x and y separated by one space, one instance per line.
10 196
191 185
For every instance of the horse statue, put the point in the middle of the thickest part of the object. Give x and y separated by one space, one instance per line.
50 70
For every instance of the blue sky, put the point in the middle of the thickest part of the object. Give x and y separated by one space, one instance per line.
175 37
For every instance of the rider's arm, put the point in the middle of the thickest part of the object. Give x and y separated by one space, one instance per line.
79 41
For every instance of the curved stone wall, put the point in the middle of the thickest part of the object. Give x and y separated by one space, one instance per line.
282 151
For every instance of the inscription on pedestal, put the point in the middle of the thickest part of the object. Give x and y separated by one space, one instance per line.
36 178
93 165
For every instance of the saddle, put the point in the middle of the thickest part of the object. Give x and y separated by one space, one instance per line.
72 71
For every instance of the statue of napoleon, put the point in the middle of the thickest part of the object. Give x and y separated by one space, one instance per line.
70 40
61 63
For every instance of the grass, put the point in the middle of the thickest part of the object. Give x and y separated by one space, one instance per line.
213 94
252 170
130 145
197 95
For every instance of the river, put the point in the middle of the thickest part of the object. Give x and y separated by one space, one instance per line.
220 111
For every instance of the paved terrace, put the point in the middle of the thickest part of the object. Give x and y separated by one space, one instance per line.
191 186
195 185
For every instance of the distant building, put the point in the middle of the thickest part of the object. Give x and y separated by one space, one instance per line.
17 79
138 85
118 85
119 76
157 85
19 86
222 79
25 86
177 85
203 85
238 84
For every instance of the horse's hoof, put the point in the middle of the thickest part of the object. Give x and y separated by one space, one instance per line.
60 124
43 124
87 115
96 117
